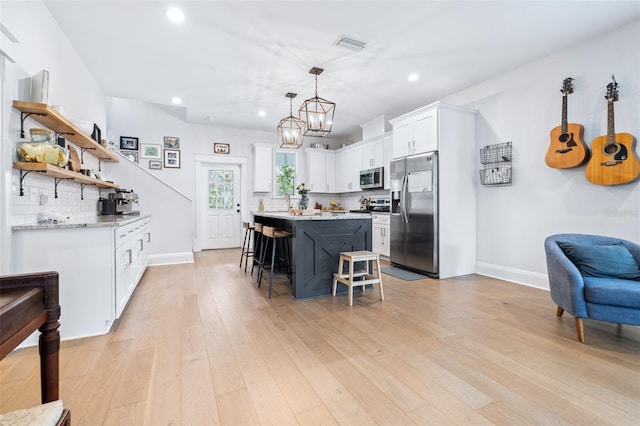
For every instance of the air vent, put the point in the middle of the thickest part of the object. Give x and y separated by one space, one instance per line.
350 43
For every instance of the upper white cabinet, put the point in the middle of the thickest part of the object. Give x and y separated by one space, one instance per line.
262 168
416 132
320 170
348 163
373 153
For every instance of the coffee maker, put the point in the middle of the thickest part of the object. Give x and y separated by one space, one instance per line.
119 202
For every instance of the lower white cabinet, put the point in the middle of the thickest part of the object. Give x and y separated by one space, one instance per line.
131 259
380 229
99 266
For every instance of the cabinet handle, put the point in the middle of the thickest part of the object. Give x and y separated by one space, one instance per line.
148 237
130 257
141 244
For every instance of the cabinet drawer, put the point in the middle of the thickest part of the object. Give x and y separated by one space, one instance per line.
380 219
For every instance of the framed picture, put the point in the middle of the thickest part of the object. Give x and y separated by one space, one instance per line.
149 150
130 154
171 159
171 142
221 148
155 164
127 142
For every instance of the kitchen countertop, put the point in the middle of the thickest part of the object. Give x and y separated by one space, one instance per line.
94 222
328 215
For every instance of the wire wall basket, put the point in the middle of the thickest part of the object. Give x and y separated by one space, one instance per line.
496 164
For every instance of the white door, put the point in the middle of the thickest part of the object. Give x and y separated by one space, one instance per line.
220 206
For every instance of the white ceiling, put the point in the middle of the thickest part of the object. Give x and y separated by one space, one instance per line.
230 59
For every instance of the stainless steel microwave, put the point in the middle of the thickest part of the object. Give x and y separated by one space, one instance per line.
372 178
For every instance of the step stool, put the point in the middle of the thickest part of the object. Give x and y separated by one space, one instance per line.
361 277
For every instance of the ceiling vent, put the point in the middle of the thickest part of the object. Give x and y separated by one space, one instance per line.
350 43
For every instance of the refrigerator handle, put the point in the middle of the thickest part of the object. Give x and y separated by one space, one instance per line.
403 195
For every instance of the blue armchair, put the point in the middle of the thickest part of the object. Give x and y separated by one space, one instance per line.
594 277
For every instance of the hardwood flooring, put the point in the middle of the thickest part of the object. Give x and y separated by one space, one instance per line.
201 344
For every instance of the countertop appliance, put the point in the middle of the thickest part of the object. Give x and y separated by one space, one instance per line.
414 213
372 178
124 200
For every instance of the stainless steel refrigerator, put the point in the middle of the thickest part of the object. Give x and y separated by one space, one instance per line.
414 213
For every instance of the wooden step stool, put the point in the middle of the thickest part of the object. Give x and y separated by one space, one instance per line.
360 277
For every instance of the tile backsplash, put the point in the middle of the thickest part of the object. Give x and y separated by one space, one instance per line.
39 196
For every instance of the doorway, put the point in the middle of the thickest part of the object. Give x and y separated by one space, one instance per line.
220 199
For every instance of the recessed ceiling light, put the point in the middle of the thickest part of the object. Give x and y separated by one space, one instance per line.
414 77
174 14
176 100
262 113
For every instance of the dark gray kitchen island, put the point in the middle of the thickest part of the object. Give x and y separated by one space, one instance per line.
316 245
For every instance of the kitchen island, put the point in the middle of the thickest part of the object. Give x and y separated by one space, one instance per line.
316 245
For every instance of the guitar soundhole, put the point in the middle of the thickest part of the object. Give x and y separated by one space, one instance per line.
564 137
611 149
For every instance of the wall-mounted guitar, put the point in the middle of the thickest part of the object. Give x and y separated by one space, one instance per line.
613 160
567 148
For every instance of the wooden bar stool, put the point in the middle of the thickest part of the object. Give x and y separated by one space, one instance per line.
279 241
257 247
362 277
247 250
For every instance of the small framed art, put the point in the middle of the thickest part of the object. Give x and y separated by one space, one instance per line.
171 142
128 142
221 148
155 164
171 159
149 150
131 154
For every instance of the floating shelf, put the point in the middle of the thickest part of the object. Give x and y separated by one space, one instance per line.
59 173
50 118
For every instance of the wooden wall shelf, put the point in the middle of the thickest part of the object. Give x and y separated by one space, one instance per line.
50 118
60 173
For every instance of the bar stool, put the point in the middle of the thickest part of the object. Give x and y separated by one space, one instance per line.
358 278
257 247
247 251
279 241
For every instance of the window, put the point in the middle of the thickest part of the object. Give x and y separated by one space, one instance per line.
285 171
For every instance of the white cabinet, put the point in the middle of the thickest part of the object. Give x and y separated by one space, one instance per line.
348 163
320 170
388 156
131 259
99 268
416 132
373 153
380 229
262 168
453 128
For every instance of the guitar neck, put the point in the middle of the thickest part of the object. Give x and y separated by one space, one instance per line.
611 133
564 113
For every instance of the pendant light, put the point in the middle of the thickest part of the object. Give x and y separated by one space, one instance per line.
290 129
317 112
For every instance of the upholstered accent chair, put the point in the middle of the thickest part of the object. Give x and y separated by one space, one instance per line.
594 277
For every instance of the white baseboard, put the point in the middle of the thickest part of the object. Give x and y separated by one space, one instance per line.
518 276
170 258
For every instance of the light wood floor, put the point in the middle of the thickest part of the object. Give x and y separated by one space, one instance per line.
201 344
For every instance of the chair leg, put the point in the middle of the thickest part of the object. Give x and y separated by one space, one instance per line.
379 276
244 245
273 265
559 311
351 282
335 277
580 329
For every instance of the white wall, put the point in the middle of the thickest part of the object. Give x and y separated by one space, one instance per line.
42 45
522 106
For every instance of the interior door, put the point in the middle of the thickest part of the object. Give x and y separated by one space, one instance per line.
220 207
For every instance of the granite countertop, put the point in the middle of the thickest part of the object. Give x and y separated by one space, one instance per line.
325 215
93 222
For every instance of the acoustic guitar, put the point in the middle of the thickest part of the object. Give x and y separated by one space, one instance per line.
567 148
614 160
